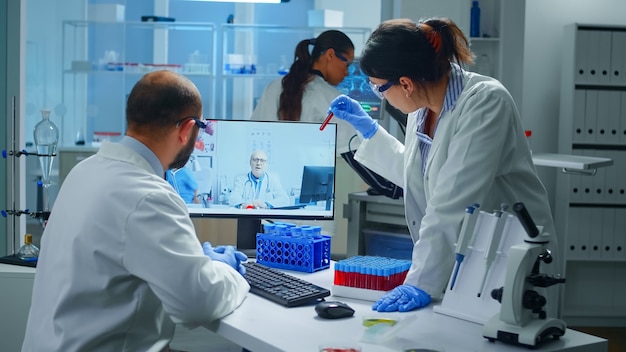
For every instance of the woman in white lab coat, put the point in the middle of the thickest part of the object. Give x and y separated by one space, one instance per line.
304 94
464 144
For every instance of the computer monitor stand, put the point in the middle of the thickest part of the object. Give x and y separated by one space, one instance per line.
247 228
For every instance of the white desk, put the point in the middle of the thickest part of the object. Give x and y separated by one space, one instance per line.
263 326
16 288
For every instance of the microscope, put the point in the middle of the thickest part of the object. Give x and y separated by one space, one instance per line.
522 319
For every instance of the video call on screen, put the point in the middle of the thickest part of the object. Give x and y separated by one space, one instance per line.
222 157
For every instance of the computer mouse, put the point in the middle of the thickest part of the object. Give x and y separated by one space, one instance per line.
333 310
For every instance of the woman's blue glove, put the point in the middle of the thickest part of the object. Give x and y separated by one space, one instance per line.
351 111
403 299
226 254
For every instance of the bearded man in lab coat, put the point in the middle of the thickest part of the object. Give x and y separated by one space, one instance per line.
120 262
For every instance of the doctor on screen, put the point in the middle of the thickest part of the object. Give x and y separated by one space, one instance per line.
258 189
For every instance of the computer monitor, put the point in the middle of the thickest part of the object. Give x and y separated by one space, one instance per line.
356 85
228 155
318 184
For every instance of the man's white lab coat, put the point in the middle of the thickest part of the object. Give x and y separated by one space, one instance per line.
120 263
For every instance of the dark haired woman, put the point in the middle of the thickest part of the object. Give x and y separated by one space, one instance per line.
464 144
304 94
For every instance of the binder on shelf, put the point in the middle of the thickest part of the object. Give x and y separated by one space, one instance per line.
611 195
621 131
612 135
619 241
602 117
618 57
576 190
581 65
595 235
607 234
603 57
587 182
599 179
578 120
620 169
585 229
575 221
591 110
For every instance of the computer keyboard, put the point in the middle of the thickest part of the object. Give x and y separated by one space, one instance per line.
282 288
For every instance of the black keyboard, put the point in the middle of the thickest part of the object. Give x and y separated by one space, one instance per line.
282 288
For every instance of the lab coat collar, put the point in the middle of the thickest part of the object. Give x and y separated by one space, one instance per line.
141 149
453 91
121 152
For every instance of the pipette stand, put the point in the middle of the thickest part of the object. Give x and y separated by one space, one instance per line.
463 301
522 319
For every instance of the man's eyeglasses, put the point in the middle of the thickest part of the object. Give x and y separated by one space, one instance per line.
380 89
202 124
258 161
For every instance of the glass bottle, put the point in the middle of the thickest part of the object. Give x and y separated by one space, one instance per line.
28 252
46 136
475 20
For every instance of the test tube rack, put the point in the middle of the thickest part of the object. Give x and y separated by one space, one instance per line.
307 254
368 277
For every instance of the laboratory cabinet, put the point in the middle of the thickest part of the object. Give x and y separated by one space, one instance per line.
102 61
590 208
252 56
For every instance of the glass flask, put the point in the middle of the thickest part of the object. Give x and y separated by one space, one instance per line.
28 252
46 136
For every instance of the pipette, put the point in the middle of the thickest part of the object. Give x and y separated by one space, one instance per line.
330 116
495 243
467 229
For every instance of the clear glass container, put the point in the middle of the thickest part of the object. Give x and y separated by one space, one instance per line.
46 136
28 252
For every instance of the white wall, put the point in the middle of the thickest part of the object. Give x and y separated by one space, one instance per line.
545 21
356 13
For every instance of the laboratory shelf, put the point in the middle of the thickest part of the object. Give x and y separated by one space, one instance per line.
102 61
590 207
570 162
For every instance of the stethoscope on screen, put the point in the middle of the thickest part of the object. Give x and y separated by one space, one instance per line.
249 189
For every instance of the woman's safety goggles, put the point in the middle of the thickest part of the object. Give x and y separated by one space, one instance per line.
380 89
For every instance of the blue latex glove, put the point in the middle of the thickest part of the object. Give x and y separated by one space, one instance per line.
403 298
226 254
351 111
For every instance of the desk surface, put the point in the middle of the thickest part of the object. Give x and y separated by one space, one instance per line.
261 325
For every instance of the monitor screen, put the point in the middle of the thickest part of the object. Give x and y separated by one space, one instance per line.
260 169
253 170
317 184
356 85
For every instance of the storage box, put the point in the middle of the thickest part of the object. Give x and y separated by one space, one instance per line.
388 244
293 253
106 12
325 18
